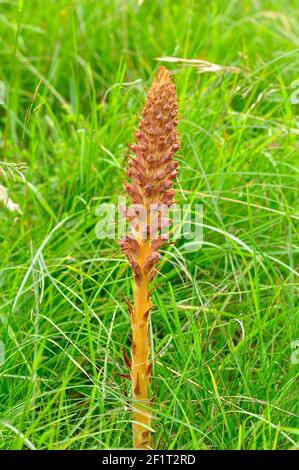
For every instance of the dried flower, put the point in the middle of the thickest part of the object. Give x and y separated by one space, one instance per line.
151 171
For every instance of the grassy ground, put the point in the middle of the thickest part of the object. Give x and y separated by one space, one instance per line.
225 316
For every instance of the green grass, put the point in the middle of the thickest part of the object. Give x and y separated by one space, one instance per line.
224 316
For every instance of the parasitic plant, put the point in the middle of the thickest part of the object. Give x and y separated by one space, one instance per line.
151 172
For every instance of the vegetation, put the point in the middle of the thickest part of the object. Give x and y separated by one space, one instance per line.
225 316
151 172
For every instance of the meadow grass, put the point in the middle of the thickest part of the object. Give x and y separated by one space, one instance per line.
225 317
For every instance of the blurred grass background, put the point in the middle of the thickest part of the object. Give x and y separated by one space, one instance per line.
225 317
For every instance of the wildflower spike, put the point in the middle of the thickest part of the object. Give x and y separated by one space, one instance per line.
151 171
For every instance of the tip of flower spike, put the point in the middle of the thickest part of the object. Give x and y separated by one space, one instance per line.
163 75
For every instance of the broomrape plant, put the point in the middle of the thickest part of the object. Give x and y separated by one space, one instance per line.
151 171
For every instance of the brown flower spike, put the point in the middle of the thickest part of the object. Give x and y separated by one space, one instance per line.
151 172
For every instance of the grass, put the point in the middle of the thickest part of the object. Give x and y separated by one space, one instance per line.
225 316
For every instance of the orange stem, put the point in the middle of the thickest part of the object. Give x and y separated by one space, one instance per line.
141 368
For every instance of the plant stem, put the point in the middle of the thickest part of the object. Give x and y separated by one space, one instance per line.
141 368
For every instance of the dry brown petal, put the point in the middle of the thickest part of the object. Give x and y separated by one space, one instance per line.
150 261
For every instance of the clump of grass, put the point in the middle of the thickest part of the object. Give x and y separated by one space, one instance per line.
151 172
12 170
225 327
